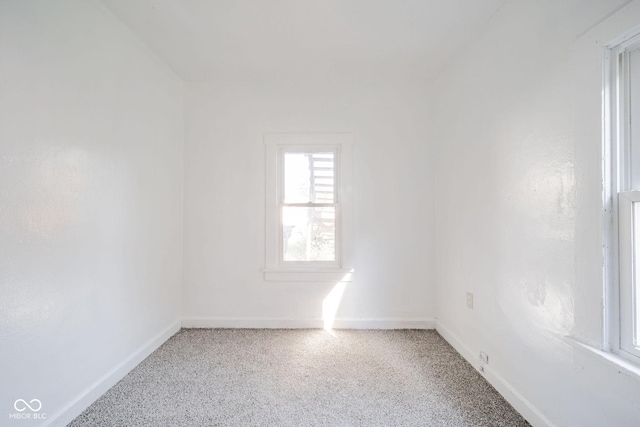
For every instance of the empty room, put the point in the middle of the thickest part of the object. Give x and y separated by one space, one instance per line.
320 213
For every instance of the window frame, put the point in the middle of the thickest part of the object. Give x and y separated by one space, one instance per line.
309 149
619 199
276 145
628 271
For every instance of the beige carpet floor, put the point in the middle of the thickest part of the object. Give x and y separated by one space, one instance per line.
259 377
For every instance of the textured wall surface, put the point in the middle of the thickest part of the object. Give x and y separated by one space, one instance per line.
225 198
520 215
486 181
90 199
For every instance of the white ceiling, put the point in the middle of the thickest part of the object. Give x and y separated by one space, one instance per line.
304 39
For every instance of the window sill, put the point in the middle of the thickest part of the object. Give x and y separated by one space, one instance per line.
593 358
308 275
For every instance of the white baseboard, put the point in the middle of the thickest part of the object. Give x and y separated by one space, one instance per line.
384 324
74 408
277 323
519 402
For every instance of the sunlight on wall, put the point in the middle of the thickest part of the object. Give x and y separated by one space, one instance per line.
332 301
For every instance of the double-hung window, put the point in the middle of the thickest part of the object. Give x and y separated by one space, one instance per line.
308 206
622 99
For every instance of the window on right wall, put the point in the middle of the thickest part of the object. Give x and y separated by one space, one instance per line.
622 189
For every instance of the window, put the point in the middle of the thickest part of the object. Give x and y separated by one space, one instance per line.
622 171
308 206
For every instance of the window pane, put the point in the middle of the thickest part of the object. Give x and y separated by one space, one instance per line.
634 117
636 274
309 177
309 234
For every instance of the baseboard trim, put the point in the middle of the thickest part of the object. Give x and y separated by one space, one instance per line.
75 407
279 323
519 402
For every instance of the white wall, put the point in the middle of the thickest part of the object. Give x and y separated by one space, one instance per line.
91 204
519 209
225 200
90 201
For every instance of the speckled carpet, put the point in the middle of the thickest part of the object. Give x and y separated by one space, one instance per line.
251 377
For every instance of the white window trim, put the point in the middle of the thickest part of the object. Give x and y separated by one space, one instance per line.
275 268
618 202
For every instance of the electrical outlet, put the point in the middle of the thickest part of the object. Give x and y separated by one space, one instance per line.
484 358
470 300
